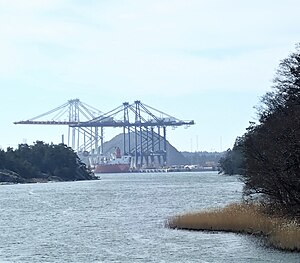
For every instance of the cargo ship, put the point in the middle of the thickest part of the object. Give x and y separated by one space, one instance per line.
118 163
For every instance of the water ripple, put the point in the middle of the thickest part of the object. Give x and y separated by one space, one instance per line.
121 219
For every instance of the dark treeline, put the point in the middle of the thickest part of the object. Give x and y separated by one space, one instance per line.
42 162
268 154
203 158
233 162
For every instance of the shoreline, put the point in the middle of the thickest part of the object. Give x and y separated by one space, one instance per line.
241 218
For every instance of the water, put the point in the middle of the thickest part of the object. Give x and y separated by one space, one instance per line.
121 219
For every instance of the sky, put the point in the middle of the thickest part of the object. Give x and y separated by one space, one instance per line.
204 60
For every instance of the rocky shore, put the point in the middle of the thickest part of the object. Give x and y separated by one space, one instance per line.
10 177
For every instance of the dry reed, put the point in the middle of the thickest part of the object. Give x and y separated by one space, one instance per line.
286 236
243 218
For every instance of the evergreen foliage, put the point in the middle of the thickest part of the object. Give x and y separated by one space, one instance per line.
42 162
234 161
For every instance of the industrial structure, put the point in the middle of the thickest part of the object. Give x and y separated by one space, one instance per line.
144 129
70 113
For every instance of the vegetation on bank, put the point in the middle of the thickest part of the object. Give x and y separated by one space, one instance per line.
267 157
243 218
233 162
42 162
269 152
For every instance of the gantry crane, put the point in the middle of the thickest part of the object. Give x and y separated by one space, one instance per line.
144 128
140 120
70 113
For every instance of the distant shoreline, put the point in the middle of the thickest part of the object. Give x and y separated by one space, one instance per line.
8 177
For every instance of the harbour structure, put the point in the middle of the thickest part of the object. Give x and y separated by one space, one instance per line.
144 129
70 113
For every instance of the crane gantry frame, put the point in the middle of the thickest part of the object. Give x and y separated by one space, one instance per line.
72 112
138 121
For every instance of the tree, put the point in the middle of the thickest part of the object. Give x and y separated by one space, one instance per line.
234 161
44 161
272 147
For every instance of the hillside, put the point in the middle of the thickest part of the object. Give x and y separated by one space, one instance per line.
174 157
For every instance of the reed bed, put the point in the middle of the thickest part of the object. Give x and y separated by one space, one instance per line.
286 236
243 218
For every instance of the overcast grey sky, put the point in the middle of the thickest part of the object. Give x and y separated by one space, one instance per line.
207 61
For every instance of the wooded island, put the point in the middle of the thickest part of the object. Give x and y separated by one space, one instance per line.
42 162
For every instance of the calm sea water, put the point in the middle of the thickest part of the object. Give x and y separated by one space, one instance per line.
121 219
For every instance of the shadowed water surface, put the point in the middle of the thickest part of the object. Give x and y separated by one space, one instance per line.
121 219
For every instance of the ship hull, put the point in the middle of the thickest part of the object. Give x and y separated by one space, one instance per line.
112 168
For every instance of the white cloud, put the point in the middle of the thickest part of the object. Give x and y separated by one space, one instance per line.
137 49
140 34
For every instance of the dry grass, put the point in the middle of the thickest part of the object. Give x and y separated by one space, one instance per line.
243 218
286 236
